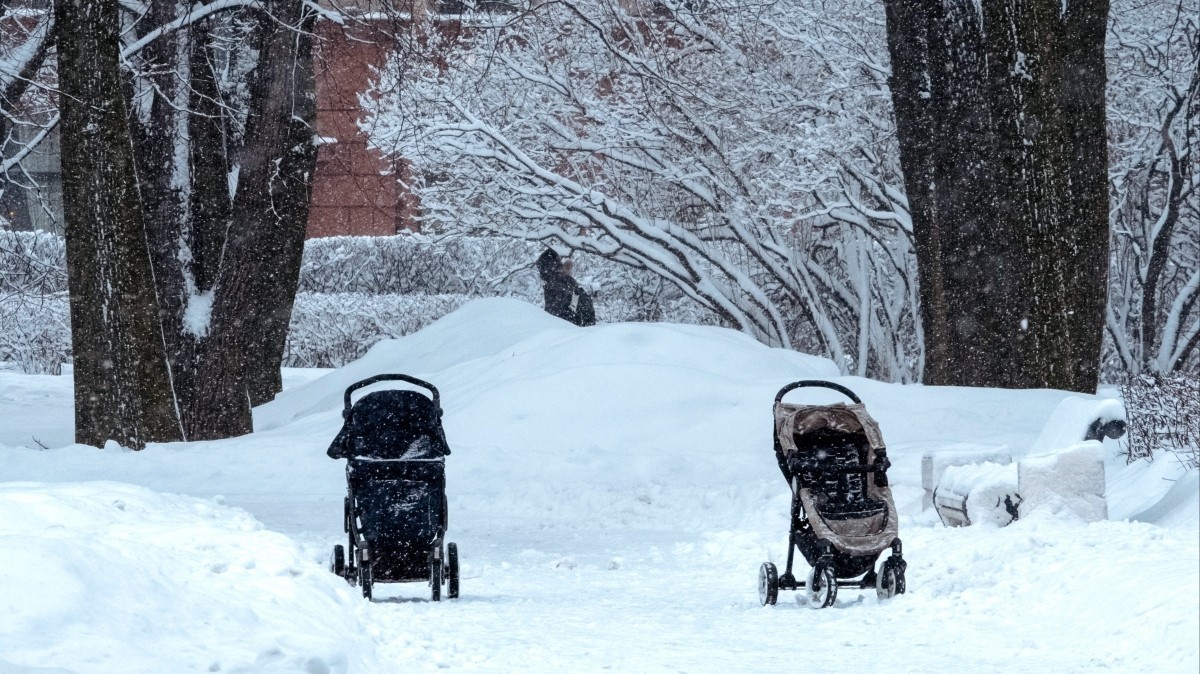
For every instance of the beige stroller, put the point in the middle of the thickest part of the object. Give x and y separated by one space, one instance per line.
843 515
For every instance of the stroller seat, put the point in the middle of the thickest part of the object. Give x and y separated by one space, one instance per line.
829 463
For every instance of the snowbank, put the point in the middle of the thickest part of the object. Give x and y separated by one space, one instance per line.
1066 483
612 491
110 577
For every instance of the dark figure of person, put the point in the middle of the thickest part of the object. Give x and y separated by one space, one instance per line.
564 296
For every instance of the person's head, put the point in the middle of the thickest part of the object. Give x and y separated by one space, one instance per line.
548 264
568 266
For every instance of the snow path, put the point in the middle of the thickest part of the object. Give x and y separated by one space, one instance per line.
612 492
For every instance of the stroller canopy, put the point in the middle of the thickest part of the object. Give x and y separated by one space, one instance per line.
391 424
792 420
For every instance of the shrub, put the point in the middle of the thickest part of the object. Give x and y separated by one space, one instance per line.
354 291
1163 413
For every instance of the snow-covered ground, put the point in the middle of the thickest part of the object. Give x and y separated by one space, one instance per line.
612 492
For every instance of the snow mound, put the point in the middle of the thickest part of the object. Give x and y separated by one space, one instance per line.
1070 421
492 339
110 577
982 489
1179 506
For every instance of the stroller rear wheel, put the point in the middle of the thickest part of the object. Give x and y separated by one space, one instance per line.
821 588
887 583
768 584
337 561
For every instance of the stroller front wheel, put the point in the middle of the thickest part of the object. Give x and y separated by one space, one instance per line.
452 571
887 583
365 579
821 588
768 584
435 578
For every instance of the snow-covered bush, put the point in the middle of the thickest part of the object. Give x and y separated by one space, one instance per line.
419 264
332 329
35 324
32 263
1163 414
35 331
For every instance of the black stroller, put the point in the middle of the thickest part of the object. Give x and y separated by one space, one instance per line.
843 516
395 508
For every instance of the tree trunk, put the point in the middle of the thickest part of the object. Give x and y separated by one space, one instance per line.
277 163
1000 121
181 291
231 261
1047 78
122 381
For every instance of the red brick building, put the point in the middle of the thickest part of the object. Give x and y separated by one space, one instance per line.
355 189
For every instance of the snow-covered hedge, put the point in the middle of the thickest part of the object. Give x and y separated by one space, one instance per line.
35 325
1163 414
417 264
354 291
35 331
332 329
32 263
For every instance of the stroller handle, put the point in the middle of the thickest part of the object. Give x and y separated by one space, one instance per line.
816 383
390 377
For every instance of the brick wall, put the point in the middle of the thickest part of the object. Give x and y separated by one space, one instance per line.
355 190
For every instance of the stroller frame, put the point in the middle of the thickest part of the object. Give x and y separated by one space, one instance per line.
364 563
831 568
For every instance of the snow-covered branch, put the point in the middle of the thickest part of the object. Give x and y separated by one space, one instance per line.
690 144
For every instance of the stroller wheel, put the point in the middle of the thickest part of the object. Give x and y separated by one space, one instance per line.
365 579
768 584
821 588
337 561
435 578
888 581
452 571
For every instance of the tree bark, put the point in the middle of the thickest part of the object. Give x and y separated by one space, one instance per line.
181 291
237 250
1001 125
122 381
277 163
